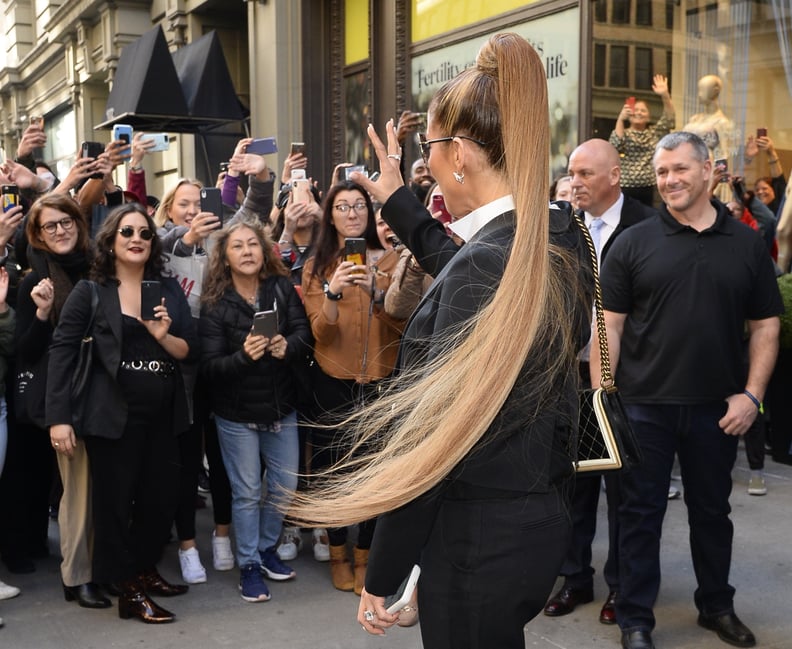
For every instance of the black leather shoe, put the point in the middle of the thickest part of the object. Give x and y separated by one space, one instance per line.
153 582
133 602
608 612
87 595
566 599
640 639
729 629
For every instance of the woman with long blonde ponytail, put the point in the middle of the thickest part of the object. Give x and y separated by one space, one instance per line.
468 453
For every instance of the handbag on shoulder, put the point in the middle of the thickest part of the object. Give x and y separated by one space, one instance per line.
605 440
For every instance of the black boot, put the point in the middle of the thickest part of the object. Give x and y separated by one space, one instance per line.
87 595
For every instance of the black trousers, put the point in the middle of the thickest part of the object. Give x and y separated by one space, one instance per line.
706 458
488 569
135 493
336 398
577 568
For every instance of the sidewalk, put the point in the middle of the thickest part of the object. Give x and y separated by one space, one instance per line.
309 614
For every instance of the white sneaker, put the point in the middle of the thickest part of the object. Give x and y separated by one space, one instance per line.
290 545
757 486
7 592
321 545
193 571
222 556
673 493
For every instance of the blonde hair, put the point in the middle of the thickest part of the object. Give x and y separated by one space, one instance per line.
409 440
161 215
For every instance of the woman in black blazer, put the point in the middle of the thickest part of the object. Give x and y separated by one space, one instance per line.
471 451
137 406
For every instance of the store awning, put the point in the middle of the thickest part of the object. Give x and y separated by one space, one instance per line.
188 92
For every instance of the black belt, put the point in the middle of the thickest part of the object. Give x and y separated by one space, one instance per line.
161 368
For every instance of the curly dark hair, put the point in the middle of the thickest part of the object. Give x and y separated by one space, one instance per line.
104 268
327 250
218 275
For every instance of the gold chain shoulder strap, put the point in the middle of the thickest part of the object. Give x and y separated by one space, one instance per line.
606 380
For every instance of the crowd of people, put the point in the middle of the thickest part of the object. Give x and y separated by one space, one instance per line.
320 350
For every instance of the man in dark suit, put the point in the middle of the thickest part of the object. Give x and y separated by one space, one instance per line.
596 174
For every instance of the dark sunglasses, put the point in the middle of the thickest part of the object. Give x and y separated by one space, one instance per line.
426 145
128 231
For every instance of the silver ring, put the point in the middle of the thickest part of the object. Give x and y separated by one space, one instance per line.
395 156
369 615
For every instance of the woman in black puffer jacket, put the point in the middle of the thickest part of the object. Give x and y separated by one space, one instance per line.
253 391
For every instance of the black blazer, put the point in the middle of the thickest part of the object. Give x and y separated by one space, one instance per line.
632 212
107 411
515 454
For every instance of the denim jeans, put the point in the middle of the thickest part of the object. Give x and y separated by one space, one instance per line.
247 449
706 458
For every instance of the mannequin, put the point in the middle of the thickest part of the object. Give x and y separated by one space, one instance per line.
712 125
714 128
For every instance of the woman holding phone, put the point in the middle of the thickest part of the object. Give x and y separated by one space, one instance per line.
246 360
138 405
469 455
356 340
184 229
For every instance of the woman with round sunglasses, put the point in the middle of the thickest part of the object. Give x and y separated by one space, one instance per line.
60 255
138 406
356 342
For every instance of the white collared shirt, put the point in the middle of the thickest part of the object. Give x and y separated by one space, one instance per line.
468 225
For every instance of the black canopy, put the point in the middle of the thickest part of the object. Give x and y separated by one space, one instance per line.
188 92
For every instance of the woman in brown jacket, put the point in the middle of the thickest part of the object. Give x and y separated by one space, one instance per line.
356 342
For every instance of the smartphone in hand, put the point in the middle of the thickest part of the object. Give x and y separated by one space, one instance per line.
262 146
123 132
10 195
93 150
396 602
212 201
630 101
265 323
355 250
150 297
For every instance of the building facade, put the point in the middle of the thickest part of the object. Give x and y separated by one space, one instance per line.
318 71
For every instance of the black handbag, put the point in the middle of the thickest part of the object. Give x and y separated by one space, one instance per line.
605 441
83 367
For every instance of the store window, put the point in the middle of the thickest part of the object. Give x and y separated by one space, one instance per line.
729 64
556 39
61 146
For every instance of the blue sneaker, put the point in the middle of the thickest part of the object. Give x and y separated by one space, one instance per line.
273 568
251 586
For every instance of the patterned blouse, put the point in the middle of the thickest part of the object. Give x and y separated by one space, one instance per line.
636 149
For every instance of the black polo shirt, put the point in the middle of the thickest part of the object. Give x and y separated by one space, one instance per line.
687 296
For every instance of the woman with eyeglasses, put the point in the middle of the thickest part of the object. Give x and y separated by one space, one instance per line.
184 229
470 454
356 342
60 254
138 406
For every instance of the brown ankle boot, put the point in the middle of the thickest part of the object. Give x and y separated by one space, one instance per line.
133 602
340 570
361 561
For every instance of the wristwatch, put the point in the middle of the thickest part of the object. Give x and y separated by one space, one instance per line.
329 294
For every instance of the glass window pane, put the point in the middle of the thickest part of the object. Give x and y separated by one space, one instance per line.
618 66
599 64
643 67
621 11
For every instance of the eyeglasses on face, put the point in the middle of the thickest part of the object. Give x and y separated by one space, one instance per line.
359 207
67 223
426 145
128 231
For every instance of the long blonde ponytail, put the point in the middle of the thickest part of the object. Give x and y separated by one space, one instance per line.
411 439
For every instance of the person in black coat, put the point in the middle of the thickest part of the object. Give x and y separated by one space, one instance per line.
470 453
137 405
254 391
